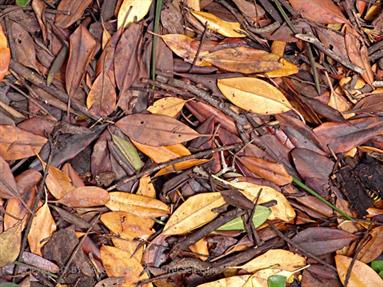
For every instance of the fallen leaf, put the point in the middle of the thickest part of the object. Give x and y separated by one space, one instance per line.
129 152
137 204
260 216
81 48
320 11
169 106
8 188
227 29
162 153
5 55
271 171
146 187
244 60
372 248
132 11
233 281
58 183
201 248
361 274
18 144
10 242
128 226
102 97
75 10
323 240
181 166
254 95
195 212
155 130
278 259
287 69
43 226
85 196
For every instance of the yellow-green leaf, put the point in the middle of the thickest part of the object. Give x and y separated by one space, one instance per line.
254 95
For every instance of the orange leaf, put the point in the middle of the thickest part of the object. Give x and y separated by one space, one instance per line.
102 96
58 183
162 153
85 196
181 166
5 54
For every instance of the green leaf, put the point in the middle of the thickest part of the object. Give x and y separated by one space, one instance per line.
377 265
381 274
21 3
8 285
129 151
260 216
276 281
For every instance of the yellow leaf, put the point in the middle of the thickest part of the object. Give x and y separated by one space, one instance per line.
278 48
181 166
137 204
361 275
127 225
10 241
195 212
254 95
193 4
131 11
43 226
201 249
146 187
120 263
169 106
277 259
162 153
234 281
287 69
282 210
227 29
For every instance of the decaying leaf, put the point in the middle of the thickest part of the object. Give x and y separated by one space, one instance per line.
85 196
170 106
102 97
137 204
10 241
227 29
18 144
132 11
254 95
75 9
361 274
43 225
155 130
193 213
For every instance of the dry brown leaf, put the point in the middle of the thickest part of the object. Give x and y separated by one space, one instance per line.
5 54
254 95
227 29
162 153
137 204
43 226
128 226
10 241
18 144
8 188
373 247
155 130
233 281
146 187
75 9
58 183
271 171
201 249
195 212
169 106
85 196
361 274
81 49
181 166
102 97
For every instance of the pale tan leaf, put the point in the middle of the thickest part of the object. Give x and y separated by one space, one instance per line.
227 29
132 11
162 153
254 95
43 226
146 187
195 212
10 241
361 274
169 106
85 196
137 204
58 183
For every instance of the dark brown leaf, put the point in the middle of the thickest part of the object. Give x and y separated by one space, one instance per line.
8 188
74 11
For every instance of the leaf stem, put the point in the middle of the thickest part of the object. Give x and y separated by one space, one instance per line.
300 184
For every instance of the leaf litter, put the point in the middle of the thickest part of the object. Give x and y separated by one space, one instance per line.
191 143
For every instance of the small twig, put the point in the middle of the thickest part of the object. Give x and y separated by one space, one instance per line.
172 162
198 50
345 62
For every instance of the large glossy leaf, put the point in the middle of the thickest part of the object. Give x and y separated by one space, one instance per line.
18 144
254 95
195 212
323 240
155 130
